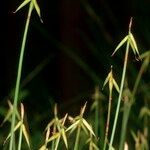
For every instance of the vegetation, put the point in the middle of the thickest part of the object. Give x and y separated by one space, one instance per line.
97 126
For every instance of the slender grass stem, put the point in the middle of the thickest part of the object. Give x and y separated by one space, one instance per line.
19 77
108 120
77 138
57 143
128 108
126 113
20 138
120 95
96 117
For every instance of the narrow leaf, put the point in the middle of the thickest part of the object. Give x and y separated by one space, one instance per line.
25 133
83 109
22 111
70 132
134 43
47 134
43 148
85 129
53 137
64 138
93 105
22 5
37 9
16 127
73 125
120 44
94 146
134 136
9 113
50 124
111 83
88 126
116 85
106 80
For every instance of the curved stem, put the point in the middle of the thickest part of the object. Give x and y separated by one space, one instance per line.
19 77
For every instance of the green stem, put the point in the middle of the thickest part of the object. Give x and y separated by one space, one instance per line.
77 138
96 117
108 120
19 77
20 138
128 106
120 95
57 143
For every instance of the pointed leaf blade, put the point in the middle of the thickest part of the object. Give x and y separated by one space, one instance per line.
43 148
134 43
53 137
22 5
106 80
16 127
120 44
73 125
9 113
88 126
64 138
84 129
116 85
25 133
37 9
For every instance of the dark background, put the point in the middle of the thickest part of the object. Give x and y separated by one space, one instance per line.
75 41
68 23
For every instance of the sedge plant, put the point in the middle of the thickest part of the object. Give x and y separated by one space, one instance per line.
91 142
32 4
96 106
58 130
79 123
127 106
112 83
130 42
19 126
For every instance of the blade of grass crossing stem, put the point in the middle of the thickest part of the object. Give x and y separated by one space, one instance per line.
19 76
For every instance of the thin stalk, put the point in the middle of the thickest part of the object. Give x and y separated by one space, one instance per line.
53 145
77 138
58 139
101 125
108 120
96 117
126 113
19 77
53 142
128 108
57 142
20 138
120 95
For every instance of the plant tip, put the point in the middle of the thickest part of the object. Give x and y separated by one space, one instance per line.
41 20
111 67
130 24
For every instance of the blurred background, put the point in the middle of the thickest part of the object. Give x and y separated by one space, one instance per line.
69 53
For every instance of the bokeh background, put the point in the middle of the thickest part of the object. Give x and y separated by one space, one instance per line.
69 53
